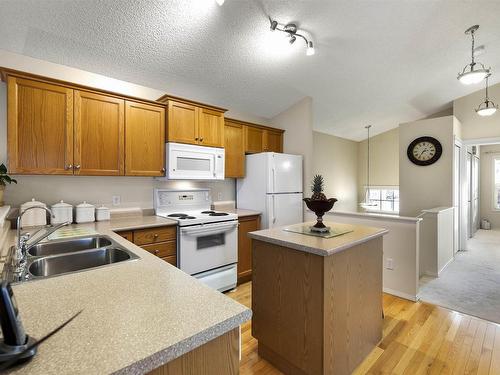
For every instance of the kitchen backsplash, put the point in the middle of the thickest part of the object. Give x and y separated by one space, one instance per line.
133 191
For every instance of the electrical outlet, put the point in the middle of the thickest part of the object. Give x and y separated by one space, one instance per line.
389 263
116 200
219 196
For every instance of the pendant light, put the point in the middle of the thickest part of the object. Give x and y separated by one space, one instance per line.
367 203
487 107
470 74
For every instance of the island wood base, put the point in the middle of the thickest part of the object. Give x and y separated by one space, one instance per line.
317 314
217 357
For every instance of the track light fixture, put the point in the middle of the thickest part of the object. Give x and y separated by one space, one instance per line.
487 107
291 30
220 2
470 74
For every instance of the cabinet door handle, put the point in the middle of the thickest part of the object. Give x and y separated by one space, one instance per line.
68 167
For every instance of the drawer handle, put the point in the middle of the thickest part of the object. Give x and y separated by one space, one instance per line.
155 235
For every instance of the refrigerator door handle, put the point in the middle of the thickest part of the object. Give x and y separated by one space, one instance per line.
274 180
274 210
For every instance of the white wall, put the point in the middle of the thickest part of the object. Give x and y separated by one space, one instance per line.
430 186
474 126
298 124
401 245
134 191
486 185
384 161
337 160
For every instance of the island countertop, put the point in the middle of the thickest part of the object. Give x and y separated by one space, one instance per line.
137 315
318 245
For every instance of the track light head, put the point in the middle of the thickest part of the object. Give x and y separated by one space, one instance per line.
274 24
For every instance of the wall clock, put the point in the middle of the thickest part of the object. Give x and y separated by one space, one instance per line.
424 151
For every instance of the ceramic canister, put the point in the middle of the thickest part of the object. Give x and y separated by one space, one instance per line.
63 212
85 213
102 213
33 217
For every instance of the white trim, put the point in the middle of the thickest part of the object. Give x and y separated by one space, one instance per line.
366 215
446 265
482 141
494 156
397 293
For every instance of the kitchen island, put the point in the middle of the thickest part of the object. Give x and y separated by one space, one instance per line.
317 302
139 316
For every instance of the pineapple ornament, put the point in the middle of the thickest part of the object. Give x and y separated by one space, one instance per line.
319 204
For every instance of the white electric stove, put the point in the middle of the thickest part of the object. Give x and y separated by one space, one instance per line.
207 240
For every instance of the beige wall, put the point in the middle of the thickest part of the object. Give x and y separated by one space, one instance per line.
430 186
384 161
486 185
474 126
298 124
337 160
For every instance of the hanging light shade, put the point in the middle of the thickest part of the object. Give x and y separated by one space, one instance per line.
474 72
367 203
487 107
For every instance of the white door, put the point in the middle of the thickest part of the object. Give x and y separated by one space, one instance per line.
285 173
284 209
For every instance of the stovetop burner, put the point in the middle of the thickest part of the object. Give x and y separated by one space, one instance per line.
218 214
208 212
178 215
186 217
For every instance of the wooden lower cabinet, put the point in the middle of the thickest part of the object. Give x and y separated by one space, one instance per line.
247 224
217 357
159 241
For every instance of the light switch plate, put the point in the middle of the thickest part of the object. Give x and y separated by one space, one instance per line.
389 263
116 199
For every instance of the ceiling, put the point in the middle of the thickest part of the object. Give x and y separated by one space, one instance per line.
379 62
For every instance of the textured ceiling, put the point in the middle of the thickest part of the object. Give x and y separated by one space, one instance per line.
379 62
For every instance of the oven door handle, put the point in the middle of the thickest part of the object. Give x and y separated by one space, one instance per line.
213 229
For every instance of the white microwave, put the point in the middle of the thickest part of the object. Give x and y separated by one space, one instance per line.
191 162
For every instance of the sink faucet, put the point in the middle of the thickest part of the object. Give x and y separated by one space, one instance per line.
22 240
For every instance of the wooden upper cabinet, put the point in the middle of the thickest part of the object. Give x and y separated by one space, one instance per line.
234 145
210 127
254 139
273 141
182 126
193 123
40 127
144 139
99 134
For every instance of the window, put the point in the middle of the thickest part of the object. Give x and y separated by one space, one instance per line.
496 182
385 198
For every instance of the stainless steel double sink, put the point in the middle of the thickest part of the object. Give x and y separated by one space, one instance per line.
76 254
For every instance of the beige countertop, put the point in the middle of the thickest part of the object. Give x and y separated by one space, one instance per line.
137 315
318 245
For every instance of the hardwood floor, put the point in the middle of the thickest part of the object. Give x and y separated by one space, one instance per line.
418 338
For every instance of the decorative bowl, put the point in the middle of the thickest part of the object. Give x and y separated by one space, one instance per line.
319 207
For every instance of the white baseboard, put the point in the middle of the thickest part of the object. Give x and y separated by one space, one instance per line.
446 265
397 293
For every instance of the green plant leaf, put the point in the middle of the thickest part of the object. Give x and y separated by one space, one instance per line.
3 169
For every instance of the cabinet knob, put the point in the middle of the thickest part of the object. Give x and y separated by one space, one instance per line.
196 139
156 252
68 166
201 139
163 170
155 235
77 166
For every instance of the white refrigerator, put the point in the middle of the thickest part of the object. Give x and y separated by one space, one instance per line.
273 186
